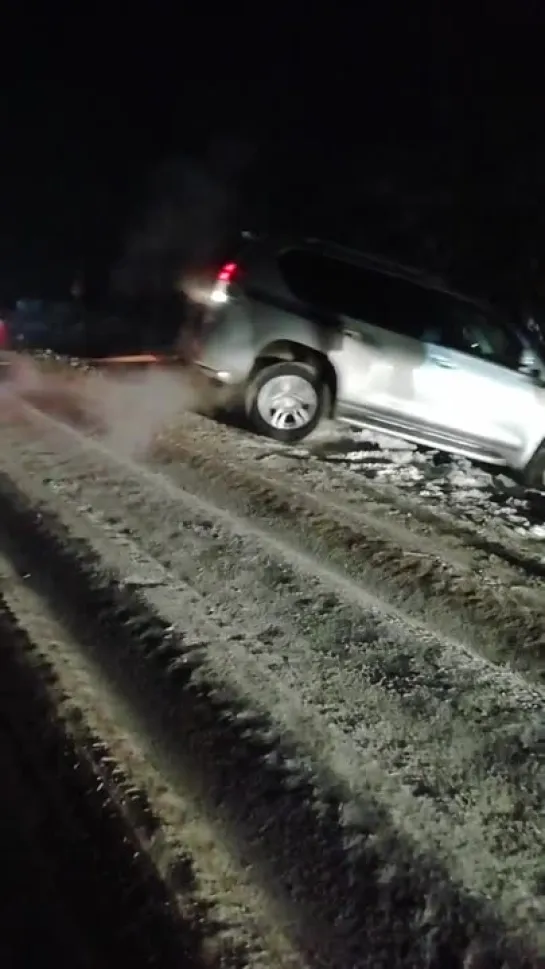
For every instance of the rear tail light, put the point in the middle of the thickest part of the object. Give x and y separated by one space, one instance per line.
227 272
224 279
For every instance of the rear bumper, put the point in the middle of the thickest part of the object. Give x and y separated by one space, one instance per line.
221 378
215 389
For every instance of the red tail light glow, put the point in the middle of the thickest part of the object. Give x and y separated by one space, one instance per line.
220 292
227 272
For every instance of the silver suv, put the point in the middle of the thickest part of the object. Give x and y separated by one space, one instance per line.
310 330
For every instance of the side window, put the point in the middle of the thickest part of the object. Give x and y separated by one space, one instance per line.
350 290
312 278
471 331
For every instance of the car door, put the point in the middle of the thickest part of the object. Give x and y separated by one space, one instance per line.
364 364
338 297
376 352
473 380
396 382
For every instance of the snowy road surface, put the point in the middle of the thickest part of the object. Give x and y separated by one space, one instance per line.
333 655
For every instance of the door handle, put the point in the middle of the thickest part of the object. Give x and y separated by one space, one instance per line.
354 334
444 362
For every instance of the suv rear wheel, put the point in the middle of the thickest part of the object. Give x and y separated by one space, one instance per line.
286 401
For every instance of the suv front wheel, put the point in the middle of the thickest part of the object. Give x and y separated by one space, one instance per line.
286 401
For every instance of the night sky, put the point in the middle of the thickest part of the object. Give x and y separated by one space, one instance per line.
92 102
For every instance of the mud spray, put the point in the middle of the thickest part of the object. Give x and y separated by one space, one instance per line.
126 408
190 210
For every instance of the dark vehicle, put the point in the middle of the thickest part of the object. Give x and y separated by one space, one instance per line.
303 330
37 324
71 329
135 326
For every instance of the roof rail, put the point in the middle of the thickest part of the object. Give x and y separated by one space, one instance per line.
389 266
371 258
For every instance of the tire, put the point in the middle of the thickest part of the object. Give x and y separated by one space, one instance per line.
533 474
305 382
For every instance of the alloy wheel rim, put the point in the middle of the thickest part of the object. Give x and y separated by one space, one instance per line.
287 402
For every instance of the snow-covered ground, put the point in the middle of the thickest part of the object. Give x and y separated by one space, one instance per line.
478 492
437 478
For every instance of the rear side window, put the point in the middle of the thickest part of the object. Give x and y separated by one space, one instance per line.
345 289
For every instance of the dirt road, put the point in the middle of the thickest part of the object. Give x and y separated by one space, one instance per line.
333 696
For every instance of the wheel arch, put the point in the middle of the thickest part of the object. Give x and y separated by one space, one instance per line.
532 470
